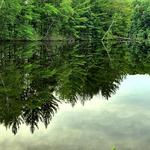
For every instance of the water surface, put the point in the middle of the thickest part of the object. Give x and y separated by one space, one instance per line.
74 96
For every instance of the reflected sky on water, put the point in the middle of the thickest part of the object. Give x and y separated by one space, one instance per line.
123 121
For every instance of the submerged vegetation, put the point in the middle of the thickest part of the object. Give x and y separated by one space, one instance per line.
74 19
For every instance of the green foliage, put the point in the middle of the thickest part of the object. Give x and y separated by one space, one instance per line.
68 19
141 19
114 148
8 14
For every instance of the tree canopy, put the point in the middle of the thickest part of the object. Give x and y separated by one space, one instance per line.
73 19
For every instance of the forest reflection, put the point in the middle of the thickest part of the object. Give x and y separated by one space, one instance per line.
36 77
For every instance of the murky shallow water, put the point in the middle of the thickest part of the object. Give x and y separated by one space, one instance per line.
101 104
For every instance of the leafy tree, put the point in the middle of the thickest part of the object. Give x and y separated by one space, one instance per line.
64 19
141 19
8 13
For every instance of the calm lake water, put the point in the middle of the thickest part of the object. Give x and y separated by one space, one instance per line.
81 96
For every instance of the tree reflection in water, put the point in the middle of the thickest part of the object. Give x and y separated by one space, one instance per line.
32 75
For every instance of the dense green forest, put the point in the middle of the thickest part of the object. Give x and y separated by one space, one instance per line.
141 19
35 77
74 19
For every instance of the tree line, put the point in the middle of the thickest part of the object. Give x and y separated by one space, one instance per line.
63 19
73 19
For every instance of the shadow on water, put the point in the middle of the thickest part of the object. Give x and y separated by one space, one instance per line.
36 77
